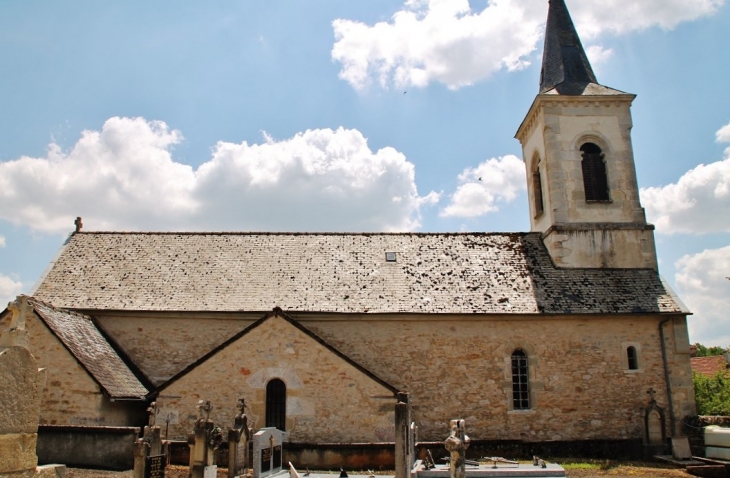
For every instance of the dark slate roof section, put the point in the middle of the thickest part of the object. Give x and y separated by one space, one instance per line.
277 312
565 65
496 273
83 340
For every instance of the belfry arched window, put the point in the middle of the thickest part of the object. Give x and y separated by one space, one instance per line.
276 404
595 180
520 381
537 191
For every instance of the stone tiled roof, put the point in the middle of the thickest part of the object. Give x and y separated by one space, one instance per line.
348 273
81 337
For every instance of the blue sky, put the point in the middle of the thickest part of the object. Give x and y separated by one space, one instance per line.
355 116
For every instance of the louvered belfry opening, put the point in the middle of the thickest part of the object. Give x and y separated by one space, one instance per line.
537 188
595 180
276 404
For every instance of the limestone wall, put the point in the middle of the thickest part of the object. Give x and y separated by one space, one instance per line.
453 367
146 339
581 388
70 396
328 399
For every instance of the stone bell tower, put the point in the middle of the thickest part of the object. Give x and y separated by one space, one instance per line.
576 144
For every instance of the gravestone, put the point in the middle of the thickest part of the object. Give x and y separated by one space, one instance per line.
456 444
21 385
267 452
204 440
149 461
238 439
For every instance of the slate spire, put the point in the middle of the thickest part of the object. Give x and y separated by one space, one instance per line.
564 62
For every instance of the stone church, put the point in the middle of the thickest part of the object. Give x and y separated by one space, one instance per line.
555 334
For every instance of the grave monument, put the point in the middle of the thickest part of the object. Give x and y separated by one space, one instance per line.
238 439
149 460
21 385
267 452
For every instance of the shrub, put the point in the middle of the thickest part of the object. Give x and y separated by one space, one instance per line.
712 393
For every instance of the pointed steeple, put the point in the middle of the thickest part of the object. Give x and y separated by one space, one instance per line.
565 65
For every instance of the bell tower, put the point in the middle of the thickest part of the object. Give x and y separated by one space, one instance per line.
576 145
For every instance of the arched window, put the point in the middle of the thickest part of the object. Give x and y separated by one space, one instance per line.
276 404
595 180
520 381
633 358
537 189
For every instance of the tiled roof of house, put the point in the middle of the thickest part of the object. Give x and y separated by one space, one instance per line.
709 365
348 273
81 337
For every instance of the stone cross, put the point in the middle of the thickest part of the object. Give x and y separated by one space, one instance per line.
456 444
204 408
651 393
152 411
78 224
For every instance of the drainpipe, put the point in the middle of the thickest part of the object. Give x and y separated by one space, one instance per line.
672 420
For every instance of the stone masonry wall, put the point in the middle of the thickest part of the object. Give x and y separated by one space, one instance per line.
70 396
328 399
453 366
581 388
146 340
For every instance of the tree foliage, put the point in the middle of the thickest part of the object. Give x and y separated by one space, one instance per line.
704 351
712 393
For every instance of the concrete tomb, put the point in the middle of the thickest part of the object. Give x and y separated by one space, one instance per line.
267 452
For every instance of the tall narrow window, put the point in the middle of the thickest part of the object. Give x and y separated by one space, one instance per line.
520 381
276 404
595 180
537 188
633 358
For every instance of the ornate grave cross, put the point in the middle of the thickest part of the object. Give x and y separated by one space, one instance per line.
152 411
457 443
204 408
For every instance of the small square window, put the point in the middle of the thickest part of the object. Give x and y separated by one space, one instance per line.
390 257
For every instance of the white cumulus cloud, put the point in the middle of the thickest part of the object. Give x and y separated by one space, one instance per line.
445 41
702 283
125 177
483 188
698 203
9 290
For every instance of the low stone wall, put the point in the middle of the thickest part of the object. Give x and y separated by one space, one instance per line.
694 428
109 448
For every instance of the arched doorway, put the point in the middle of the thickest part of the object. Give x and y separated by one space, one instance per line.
276 404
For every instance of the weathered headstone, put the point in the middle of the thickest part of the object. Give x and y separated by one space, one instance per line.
203 442
267 452
149 446
456 444
238 439
21 385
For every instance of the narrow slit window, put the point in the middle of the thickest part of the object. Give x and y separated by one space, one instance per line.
537 187
520 381
595 180
276 404
633 358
